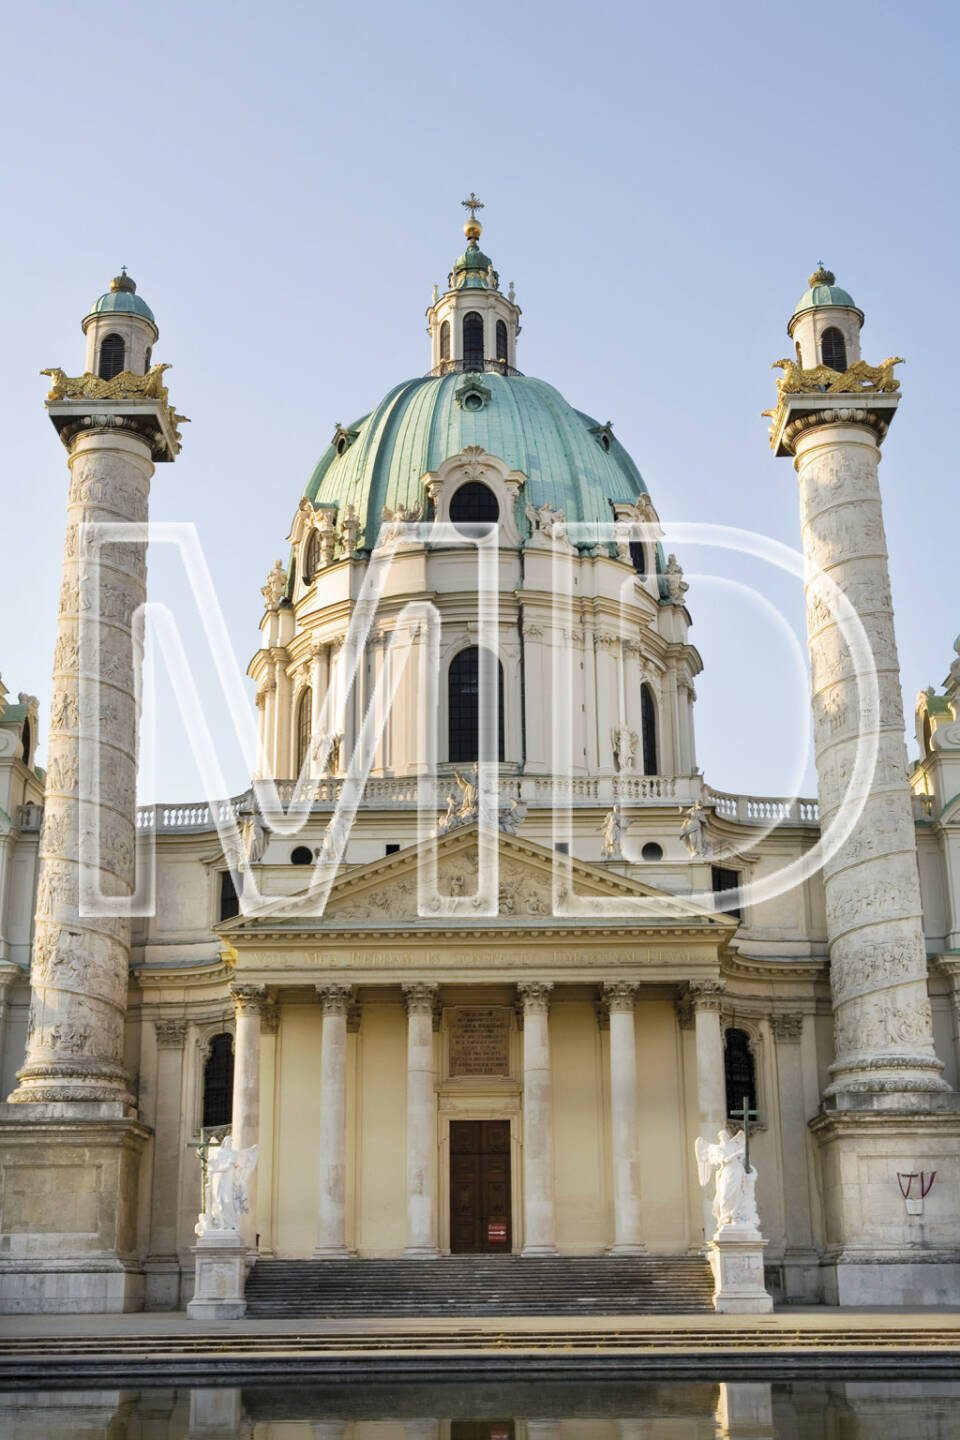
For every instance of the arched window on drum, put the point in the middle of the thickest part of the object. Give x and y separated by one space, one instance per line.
833 348
648 731
463 706
112 353
304 722
472 341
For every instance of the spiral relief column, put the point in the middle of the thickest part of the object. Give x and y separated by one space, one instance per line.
885 1110
73 1226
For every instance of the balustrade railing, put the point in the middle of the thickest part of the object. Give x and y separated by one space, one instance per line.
535 791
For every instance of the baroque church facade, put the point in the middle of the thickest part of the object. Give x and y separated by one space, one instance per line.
549 954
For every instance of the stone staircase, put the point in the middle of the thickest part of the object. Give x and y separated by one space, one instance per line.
478 1285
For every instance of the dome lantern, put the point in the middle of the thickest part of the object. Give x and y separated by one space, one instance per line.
825 325
473 326
120 329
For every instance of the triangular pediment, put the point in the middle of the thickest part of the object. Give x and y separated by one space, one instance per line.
386 892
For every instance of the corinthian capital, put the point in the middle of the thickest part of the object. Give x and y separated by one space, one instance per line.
420 997
334 998
620 996
248 999
706 994
535 996
170 1033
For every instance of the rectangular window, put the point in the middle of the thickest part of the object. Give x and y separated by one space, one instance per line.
392 849
724 879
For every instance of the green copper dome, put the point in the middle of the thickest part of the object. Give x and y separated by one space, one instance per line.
122 298
823 291
569 460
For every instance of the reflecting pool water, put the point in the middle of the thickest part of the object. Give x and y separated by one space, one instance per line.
492 1410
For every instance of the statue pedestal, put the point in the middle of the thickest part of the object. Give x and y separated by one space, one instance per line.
222 1263
736 1259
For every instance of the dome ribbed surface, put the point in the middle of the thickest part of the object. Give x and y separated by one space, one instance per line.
525 422
123 302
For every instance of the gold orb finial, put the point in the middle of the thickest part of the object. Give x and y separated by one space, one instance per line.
472 227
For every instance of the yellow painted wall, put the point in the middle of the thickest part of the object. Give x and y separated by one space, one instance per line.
583 1219
380 1204
663 1159
298 1108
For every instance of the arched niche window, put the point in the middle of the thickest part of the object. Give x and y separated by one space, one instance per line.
111 356
311 550
501 340
229 899
463 707
474 504
833 349
472 341
926 736
218 1082
304 707
638 555
740 1071
445 340
26 736
648 730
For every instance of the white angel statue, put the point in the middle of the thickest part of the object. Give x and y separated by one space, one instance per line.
228 1171
734 1202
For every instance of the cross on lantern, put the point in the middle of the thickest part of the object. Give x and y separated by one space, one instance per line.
745 1114
473 205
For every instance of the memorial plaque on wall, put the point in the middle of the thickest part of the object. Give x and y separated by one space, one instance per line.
480 1040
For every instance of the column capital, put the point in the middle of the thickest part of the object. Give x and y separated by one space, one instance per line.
420 997
534 996
620 996
787 1025
170 1033
335 999
248 999
706 994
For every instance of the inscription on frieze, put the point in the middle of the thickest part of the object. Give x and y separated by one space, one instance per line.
479 1040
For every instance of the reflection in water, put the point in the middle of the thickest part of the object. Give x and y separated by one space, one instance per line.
489 1410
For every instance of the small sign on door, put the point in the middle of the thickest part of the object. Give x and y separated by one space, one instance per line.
497 1232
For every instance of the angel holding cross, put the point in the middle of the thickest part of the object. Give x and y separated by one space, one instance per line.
734 1202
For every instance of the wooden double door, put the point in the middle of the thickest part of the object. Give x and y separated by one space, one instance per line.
480 1187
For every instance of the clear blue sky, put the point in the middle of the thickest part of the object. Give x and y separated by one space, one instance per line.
284 183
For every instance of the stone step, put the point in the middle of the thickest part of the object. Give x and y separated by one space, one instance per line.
480 1285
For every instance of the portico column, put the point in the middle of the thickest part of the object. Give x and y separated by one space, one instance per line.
620 999
331 1210
248 1003
421 1122
706 999
538 1184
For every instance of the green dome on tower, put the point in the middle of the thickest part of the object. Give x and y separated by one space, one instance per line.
122 298
823 291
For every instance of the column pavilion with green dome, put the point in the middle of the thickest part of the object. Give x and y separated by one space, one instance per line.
445 1064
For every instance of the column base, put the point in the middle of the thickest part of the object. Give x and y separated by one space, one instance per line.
421 1252
332 1252
888 1243
68 1206
626 1249
539 1250
736 1259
